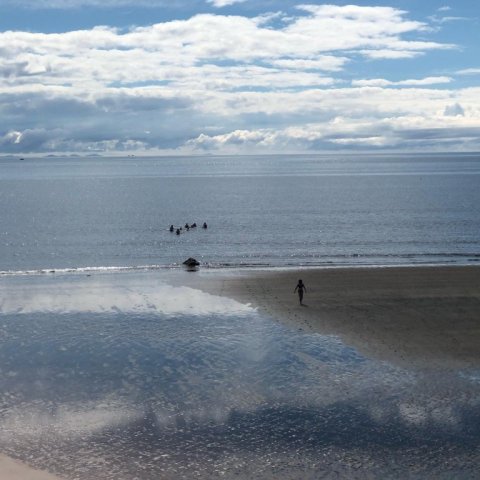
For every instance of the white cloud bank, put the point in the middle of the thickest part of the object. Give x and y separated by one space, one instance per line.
215 82
441 131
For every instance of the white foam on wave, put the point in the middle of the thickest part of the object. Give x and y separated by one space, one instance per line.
82 270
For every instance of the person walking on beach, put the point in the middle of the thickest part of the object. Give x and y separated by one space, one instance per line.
301 289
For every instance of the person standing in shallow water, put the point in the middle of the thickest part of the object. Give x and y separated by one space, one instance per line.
301 289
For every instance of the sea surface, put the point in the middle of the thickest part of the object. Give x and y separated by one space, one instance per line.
96 213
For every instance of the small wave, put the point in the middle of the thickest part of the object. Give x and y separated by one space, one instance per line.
131 268
81 270
346 260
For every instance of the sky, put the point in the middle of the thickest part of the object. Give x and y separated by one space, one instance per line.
116 77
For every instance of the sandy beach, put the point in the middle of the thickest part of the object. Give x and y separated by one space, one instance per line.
426 316
13 470
416 329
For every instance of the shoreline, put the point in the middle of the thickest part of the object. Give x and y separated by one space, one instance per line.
422 316
227 267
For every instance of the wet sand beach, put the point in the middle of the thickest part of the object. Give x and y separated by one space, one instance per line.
426 316
13 470
173 375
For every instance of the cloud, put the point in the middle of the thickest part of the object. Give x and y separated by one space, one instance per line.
26 140
11 138
391 54
216 81
452 19
362 118
174 53
377 28
70 4
454 110
248 121
224 3
243 138
322 62
441 20
469 71
380 82
367 29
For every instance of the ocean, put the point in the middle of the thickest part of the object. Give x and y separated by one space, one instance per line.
267 211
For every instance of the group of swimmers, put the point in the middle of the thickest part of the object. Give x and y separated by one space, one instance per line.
187 227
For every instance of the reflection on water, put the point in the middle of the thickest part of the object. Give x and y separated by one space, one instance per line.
96 296
180 389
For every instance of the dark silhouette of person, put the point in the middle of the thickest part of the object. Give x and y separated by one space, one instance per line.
205 225
187 226
178 231
193 225
301 290
171 228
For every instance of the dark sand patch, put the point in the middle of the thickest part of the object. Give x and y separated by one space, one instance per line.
428 316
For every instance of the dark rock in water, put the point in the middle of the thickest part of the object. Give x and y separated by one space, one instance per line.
191 262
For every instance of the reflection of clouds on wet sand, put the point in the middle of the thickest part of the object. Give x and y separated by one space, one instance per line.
283 440
93 385
97 297
67 421
206 384
419 414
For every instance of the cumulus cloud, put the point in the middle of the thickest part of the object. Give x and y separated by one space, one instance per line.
11 138
243 138
213 81
99 55
364 118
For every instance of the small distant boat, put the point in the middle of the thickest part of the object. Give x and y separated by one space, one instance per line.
21 158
